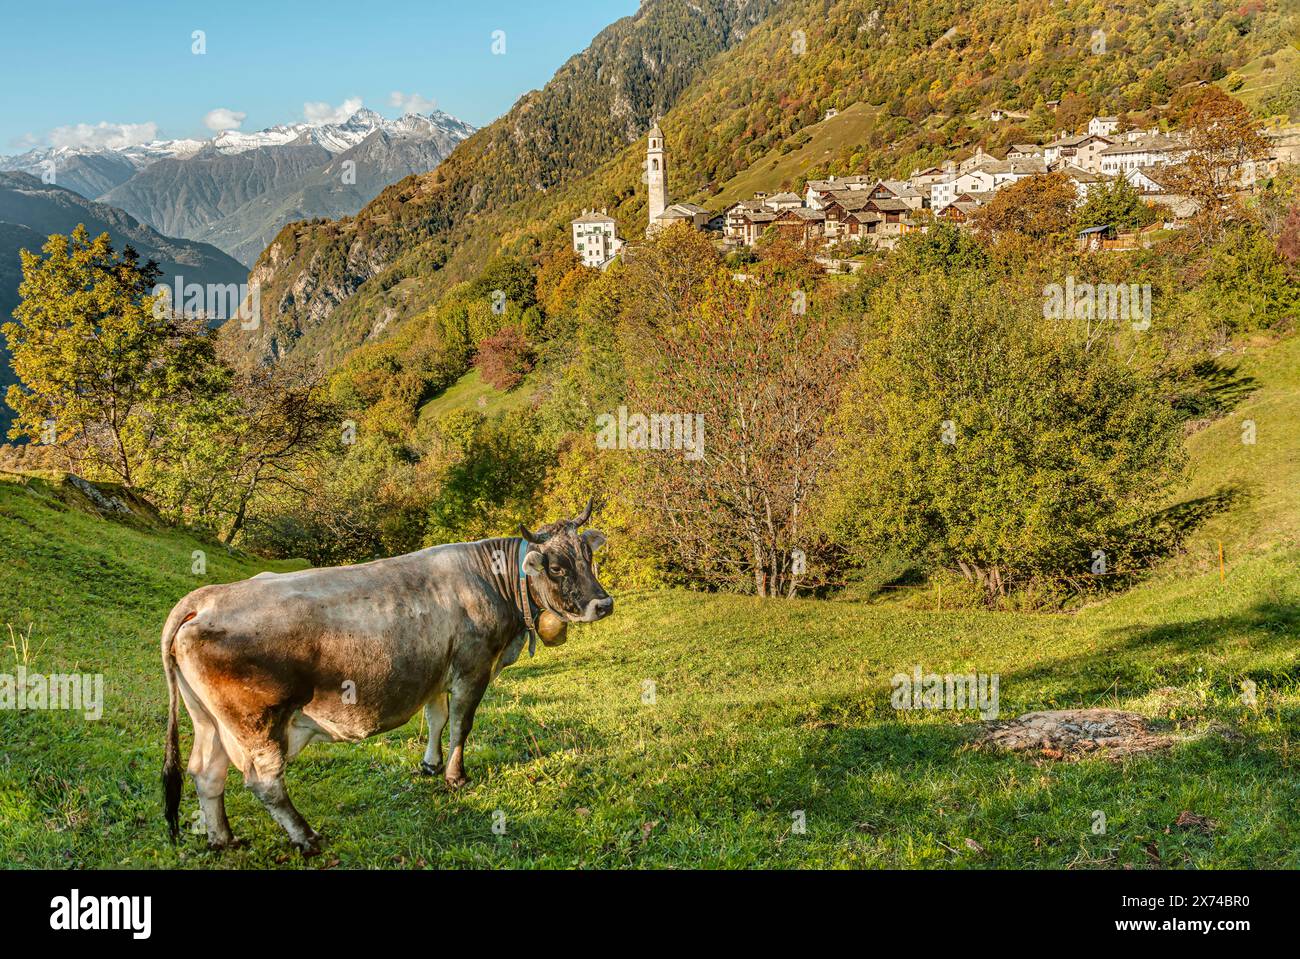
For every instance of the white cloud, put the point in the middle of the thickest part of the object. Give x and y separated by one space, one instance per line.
102 135
223 119
324 113
412 102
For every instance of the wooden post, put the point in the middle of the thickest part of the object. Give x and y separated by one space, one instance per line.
1221 574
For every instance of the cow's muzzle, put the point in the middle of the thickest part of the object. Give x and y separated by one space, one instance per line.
598 609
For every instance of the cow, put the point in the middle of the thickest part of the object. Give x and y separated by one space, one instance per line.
271 664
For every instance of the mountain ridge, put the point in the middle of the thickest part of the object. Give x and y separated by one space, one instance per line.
193 188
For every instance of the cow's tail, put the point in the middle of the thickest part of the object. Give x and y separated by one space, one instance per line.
171 770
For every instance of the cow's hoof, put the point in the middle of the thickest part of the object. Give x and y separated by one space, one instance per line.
457 782
427 769
310 846
224 845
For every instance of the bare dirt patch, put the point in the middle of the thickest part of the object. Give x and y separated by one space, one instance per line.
1074 733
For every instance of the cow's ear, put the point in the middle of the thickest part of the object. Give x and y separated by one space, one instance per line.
595 539
533 563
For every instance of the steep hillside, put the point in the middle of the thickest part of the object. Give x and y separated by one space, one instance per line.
917 77
45 209
92 174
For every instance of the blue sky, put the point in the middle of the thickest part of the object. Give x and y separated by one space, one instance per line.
117 67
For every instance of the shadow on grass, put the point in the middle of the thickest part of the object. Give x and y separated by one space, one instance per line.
1160 535
1124 666
1213 388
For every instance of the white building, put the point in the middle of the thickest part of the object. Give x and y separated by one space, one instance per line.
1083 151
988 177
595 238
1103 126
945 191
1153 149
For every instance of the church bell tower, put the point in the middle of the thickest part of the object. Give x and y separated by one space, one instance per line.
656 177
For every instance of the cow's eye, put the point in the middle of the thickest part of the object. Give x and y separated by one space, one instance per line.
558 570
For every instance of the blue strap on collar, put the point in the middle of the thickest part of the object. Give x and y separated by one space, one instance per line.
526 600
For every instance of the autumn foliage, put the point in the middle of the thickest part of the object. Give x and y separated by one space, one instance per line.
504 358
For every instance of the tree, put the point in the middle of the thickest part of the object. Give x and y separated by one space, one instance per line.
744 378
282 424
1223 137
977 435
1288 240
665 275
104 368
1117 204
504 358
1038 209
943 247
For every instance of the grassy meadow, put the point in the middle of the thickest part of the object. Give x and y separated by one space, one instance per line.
690 730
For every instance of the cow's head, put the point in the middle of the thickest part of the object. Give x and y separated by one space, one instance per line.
559 566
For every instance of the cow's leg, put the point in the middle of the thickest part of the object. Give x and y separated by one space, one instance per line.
265 776
435 714
208 766
465 696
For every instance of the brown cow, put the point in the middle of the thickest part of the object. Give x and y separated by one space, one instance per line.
273 663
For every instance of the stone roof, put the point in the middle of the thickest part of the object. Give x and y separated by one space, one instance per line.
890 206
1081 175
804 213
1024 166
1074 141
591 216
1151 143
851 199
893 186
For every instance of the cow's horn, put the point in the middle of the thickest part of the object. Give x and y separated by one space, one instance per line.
523 531
586 513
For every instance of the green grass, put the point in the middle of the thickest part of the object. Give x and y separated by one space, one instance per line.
471 393
762 709
1262 82
825 141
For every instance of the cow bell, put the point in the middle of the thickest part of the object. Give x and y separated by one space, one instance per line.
552 629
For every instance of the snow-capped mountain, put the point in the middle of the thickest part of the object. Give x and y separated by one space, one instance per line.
139 155
334 137
337 137
240 188
93 171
